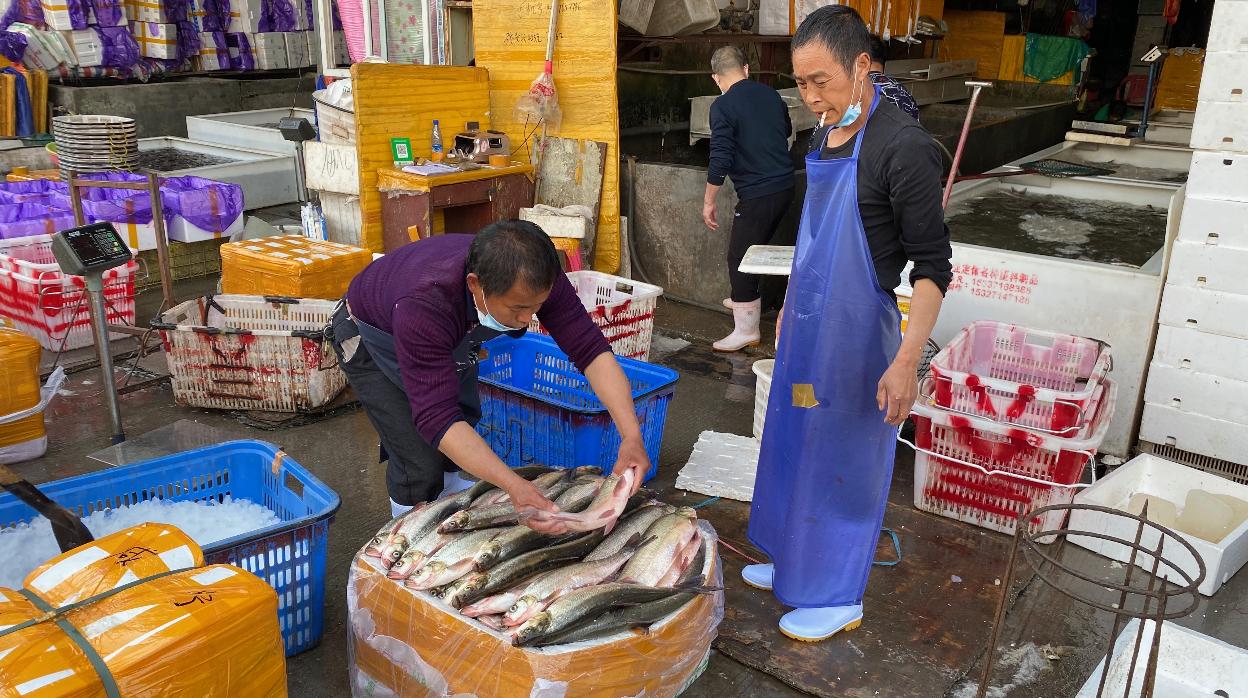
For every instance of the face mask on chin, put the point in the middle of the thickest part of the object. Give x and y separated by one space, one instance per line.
488 320
853 111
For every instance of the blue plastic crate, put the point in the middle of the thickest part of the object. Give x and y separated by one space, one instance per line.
536 408
290 556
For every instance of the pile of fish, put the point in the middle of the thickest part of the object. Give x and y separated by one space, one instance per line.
626 561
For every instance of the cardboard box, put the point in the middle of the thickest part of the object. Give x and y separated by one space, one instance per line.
297 55
156 40
270 50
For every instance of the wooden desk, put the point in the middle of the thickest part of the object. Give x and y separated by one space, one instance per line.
468 200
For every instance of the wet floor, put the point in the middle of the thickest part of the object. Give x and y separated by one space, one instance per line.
927 618
1059 226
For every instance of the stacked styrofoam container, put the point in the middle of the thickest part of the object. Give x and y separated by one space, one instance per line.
1197 389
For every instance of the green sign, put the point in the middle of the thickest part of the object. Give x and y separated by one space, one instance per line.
401 149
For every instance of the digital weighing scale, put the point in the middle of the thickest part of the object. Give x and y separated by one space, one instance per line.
89 251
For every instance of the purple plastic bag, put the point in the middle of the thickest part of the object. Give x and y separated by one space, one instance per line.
177 10
33 191
24 11
278 16
188 41
120 48
21 220
216 16
242 57
204 203
107 13
12 46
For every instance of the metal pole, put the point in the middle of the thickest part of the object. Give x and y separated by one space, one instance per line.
1148 99
104 354
301 184
162 242
975 86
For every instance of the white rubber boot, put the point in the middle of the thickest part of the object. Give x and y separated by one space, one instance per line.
746 334
728 303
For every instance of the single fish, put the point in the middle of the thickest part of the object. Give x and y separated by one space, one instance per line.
684 559
576 606
415 556
640 616
696 567
375 546
545 588
455 592
493 515
506 575
494 622
669 536
451 562
577 497
510 543
542 482
630 525
603 510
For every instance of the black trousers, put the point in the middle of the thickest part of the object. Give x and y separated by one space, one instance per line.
755 223
414 468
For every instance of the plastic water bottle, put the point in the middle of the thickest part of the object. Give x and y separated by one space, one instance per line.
437 141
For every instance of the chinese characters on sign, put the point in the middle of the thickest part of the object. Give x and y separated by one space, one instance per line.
995 283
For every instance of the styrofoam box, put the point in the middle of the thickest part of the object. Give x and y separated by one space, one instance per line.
1221 125
183 230
557 226
1208 311
1219 174
1149 474
331 167
342 217
1228 29
1225 77
1201 352
270 50
297 55
1192 392
1212 267
1205 436
1214 222
1189 664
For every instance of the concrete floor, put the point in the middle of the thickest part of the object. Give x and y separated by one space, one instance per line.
927 620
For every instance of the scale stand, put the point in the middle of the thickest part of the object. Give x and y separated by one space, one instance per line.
89 251
1151 59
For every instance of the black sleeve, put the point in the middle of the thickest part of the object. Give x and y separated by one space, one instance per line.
914 172
723 144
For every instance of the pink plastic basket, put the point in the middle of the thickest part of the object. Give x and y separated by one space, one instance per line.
622 308
1037 380
51 306
989 474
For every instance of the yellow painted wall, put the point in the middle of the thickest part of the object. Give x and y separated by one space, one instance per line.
510 38
401 101
977 35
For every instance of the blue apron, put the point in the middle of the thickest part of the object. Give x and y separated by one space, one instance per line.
827 454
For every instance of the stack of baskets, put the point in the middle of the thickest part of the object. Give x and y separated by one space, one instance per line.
1009 421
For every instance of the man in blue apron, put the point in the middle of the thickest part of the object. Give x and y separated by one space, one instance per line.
408 335
844 377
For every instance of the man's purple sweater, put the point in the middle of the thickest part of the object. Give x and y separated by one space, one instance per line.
419 294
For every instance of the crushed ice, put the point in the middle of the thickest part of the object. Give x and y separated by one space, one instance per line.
26 546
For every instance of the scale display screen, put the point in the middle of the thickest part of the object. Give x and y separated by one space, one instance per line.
94 247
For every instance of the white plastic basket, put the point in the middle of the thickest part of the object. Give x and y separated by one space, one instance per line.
979 471
51 306
763 369
1041 381
622 308
251 353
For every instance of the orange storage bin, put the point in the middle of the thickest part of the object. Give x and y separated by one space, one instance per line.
291 266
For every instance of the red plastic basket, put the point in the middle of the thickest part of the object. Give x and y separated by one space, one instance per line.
988 474
51 306
1040 381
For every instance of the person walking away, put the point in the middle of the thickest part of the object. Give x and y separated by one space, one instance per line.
750 130
845 378
409 335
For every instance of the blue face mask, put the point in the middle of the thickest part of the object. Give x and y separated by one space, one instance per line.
488 320
852 112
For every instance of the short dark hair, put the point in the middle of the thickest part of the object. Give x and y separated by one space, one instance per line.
507 252
728 59
840 29
879 50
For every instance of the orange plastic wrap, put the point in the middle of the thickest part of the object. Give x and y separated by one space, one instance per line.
22 434
292 266
408 643
158 621
1179 83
